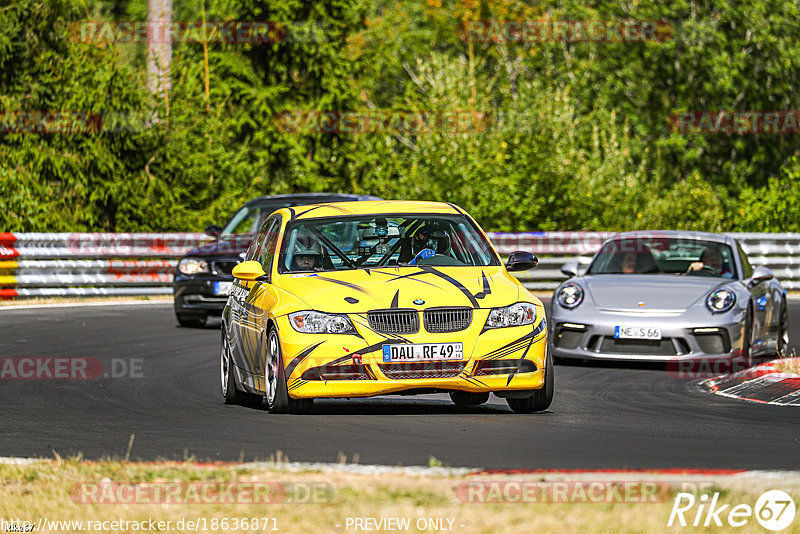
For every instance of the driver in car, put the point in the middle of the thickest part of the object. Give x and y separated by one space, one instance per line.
428 242
307 255
711 259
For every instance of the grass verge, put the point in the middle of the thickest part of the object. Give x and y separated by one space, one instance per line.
317 501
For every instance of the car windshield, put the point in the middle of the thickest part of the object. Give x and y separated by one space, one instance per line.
383 240
664 255
249 219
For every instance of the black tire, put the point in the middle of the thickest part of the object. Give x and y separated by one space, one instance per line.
783 331
463 399
278 399
541 398
230 392
191 320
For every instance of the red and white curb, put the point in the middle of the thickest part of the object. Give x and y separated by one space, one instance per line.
763 383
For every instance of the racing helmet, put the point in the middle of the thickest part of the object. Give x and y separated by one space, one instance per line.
308 247
432 237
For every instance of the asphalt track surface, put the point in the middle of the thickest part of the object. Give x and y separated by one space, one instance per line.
603 417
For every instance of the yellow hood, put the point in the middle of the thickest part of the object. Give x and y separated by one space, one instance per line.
361 290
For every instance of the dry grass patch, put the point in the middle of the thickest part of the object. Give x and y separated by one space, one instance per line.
52 489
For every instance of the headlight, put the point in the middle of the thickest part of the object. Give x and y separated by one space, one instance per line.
193 266
311 322
518 314
570 295
721 300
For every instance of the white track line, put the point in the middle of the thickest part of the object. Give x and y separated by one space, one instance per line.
81 304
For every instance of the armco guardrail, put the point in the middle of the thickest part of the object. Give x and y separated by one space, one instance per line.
62 264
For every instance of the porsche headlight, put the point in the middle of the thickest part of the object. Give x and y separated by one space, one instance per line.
193 266
311 322
570 295
721 301
518 314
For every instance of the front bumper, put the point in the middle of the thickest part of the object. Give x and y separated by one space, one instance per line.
328 370
690 335
195 294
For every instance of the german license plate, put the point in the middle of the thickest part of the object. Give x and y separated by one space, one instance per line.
222 288
637 332
423 352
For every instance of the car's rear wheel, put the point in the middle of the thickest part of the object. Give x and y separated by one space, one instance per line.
541 398
463 399
278 399
191 320
783 331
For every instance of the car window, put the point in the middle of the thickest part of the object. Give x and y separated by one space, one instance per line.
257 245
244 221
383 240
747 268
270 239
664 255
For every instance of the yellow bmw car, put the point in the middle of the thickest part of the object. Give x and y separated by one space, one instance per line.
357 299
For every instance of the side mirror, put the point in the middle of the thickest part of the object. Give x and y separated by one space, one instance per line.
570 269
521 261
248 270
213 230
760 274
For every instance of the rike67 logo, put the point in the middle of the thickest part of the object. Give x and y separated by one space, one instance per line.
774 510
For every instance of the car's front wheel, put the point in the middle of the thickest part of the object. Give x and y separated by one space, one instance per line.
541 398
278 399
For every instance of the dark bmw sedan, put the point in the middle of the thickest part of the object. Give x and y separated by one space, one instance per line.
203 277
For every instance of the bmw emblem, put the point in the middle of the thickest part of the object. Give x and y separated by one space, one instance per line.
419 302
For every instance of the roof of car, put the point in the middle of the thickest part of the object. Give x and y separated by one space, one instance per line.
374 207
310 198
672 234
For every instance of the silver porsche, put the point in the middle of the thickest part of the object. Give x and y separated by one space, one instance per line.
667 296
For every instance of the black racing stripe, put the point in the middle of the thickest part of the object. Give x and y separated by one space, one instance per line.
473 380
510 376
342 283
487 289
343 359
296 383
292 214
387 337
456 283
513 343
299 358
395 299
411 276
458 210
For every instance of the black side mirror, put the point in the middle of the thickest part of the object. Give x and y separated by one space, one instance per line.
213 230
521 261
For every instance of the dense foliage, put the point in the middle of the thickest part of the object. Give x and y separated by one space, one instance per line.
570 135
